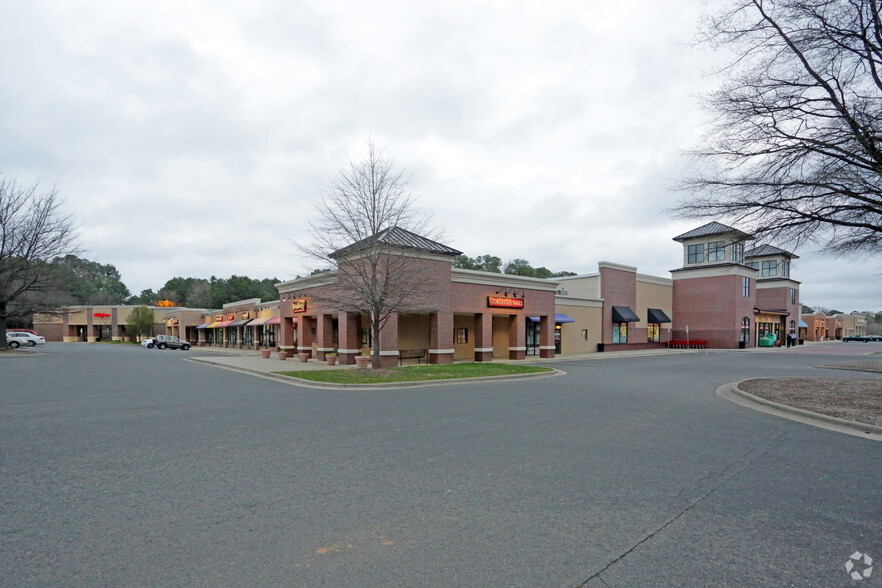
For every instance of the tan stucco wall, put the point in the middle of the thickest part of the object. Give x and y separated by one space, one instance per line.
585 317
413 331
464 350
651 295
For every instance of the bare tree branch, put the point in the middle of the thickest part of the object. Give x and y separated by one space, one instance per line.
33 231
794 150
361 208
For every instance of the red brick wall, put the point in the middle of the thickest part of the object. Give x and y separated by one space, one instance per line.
618 288
712 307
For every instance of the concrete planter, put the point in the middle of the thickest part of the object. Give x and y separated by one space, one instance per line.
265 353
331 359
303 356
362 361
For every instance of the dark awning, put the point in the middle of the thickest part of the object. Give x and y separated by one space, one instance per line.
238 323
623 314
656 316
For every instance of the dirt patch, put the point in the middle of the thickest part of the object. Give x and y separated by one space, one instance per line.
858 400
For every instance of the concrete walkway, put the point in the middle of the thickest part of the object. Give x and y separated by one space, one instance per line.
252 362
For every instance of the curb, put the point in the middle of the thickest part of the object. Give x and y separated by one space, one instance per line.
733 393
292 381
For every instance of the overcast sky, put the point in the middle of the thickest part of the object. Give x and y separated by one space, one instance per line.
194 138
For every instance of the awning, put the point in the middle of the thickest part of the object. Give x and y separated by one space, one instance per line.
205 325
238 323
274 321
221 324
802 323
656 316
623 314
259 321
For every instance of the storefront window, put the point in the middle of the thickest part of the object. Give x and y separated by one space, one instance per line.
745 329
461 335
620 332
653 332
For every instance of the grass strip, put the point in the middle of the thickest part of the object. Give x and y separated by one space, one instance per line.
415 373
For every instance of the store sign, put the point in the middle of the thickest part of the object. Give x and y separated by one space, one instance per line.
219 318
231 317
499 302
298 305
246 316
101 315
174 321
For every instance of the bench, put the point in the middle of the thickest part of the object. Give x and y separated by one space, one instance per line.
417 354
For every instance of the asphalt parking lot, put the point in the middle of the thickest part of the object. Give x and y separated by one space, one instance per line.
129 467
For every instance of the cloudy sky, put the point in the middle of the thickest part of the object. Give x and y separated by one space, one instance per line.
195 138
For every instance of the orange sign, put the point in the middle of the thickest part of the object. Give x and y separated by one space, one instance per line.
298 305
231 317
499 302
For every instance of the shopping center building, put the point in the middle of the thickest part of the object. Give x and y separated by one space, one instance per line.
724 296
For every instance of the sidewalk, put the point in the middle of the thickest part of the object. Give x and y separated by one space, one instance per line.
246 360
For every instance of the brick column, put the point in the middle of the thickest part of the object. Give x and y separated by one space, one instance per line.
517 337
441 337
304 334
483 336
349 335
389 342
91 336
546 337
324 335
286 334
65 328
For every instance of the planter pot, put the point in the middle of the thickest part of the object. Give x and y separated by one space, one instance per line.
362 361
304 355
283 355
265 353
331 359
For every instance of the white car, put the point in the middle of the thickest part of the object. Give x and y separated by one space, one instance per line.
16 339
148 343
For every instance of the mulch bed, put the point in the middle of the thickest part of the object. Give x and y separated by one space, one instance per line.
858 400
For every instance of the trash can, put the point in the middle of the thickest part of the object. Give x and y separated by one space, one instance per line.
742 344
600 347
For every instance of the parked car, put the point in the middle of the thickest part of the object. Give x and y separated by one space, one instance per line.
16 339
862 338
148 343
22 331
170 342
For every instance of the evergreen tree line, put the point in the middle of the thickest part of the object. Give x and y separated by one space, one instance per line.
515 267
87 282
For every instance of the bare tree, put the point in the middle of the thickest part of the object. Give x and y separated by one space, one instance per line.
33 231
794 151
367 228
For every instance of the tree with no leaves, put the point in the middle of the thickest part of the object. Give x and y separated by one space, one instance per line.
794 152
33 231
364 212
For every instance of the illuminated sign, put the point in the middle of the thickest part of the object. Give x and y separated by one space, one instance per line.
298 305
499 302
231 317
101 315
174 321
